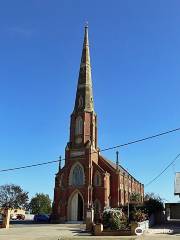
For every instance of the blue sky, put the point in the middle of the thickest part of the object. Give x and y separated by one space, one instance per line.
135 56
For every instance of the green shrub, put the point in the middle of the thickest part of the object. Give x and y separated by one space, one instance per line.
114 219
153 203
138 215
135 197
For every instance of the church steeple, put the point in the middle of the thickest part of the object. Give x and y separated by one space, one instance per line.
84 94
83 126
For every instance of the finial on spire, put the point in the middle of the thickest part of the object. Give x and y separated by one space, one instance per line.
59 163
86 24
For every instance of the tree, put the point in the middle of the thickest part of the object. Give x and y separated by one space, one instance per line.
13 196
153 203
135 197
41 203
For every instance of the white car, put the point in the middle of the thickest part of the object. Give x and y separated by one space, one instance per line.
13 217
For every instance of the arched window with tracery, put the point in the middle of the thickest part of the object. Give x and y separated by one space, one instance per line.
79 126
76 175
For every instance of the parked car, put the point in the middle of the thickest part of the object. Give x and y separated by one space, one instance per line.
20 217
13 217
41 218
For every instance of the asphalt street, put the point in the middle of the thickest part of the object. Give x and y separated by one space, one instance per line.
31 231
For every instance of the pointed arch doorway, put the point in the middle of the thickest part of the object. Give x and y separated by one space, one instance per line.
75 207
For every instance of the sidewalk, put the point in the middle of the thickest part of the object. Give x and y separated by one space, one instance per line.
170 228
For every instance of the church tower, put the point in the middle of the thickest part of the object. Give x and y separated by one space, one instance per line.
88 180
73 187
83 128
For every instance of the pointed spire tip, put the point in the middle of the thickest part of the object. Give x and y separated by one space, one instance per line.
86 24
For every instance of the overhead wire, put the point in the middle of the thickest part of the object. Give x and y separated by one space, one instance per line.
155 178
105 149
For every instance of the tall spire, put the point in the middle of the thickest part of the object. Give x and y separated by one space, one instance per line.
84 94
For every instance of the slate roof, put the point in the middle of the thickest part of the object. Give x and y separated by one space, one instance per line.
113 165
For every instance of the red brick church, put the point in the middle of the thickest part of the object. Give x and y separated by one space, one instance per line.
88 179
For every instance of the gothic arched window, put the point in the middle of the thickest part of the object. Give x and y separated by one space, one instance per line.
97 179
79 126
80 102
77 175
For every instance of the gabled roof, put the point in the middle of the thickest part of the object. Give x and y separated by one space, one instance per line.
99 167
113 165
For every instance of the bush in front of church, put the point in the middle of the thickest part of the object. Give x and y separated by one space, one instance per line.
114 219
138 215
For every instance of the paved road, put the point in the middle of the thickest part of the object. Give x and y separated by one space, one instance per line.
71 231
41 231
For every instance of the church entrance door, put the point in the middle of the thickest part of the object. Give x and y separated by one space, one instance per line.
76 208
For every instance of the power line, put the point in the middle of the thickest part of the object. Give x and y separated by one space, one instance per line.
142 139
103 150
154 179
28 166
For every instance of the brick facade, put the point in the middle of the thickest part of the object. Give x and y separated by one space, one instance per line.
88 179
